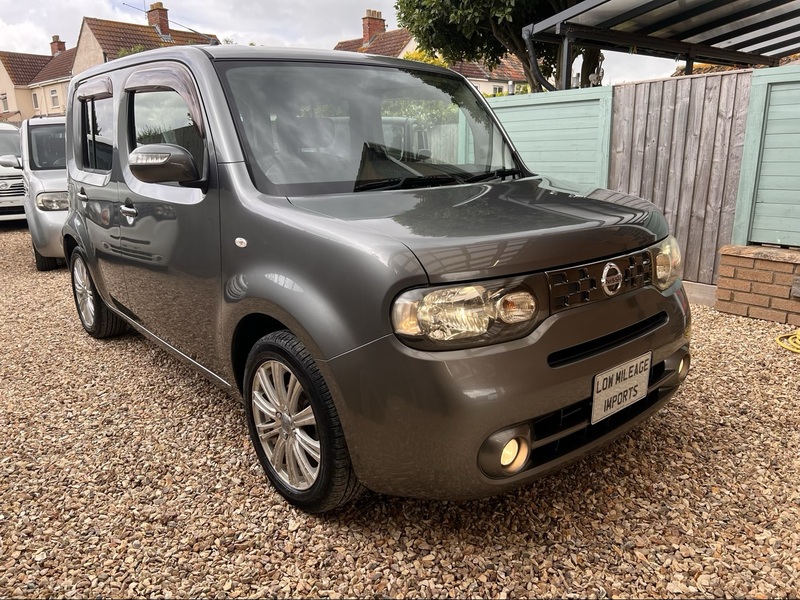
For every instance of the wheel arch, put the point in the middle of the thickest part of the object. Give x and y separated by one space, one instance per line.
248 331
69 243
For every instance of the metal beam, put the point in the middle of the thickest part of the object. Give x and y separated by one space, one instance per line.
773 35
673 47
683 16
632 14
795 50
781 46
565 64
566 15
734 17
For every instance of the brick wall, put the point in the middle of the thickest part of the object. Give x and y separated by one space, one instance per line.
760 282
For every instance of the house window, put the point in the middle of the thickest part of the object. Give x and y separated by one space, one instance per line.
97 125
498 89
35 101
4 98
54 98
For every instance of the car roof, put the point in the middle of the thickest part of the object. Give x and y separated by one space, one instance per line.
236 52
37 121
8 127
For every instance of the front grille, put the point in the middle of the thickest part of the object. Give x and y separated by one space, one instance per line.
584 350
15 186
563 431
12 210
581 285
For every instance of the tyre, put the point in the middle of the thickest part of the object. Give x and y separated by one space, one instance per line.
97 319
294 426
44 263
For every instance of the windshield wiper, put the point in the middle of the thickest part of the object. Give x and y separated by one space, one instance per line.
406 183
498 174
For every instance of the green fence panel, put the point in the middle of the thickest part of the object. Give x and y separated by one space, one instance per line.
768 202
564 134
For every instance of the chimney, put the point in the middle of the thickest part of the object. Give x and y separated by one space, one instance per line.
57 46
157 17
372 25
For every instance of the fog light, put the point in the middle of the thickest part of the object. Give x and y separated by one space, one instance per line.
514 455
683 367
510 451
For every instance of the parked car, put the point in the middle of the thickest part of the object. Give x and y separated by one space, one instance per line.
434 322
12 191
44 170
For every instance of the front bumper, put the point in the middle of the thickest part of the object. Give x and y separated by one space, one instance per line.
45 227
11 208
415 421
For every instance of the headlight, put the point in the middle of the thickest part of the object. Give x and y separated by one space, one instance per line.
668 263
463 316
52 201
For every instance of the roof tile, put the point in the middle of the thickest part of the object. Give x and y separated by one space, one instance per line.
392 43
58 67
114 36
22 68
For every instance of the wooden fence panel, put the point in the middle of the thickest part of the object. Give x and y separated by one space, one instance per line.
678 143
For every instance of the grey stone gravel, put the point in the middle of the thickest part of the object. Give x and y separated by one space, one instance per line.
124 473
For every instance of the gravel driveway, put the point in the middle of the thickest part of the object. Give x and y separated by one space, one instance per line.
123 473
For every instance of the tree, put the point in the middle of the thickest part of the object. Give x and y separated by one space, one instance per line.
132 50
426 57
487 30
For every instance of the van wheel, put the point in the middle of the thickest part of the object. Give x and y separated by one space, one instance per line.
294 426
44 263
96 318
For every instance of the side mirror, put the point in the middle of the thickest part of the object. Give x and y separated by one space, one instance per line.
163 163
10 161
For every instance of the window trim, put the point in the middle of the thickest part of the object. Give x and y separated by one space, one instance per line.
91 90
174 78
85 120
35 100
54 101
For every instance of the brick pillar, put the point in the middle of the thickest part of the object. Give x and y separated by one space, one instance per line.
760 282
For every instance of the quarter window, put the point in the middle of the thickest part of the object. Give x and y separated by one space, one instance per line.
97 116
54 98
162 117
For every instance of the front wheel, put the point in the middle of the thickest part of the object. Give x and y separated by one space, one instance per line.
44 263
97 319
294 426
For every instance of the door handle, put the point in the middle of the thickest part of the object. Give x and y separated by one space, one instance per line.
82 196
128 209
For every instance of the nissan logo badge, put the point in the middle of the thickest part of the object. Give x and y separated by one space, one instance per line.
612 279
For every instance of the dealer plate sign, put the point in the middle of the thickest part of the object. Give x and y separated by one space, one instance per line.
620 387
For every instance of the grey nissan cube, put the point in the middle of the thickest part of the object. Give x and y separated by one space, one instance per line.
353 245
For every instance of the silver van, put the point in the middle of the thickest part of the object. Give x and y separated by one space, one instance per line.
44 170
353 246
12 190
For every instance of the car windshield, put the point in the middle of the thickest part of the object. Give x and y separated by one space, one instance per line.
9 142
330 128
47 146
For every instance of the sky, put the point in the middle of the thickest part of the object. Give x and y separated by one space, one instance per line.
29 27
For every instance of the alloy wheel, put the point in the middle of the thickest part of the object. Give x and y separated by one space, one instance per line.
286 425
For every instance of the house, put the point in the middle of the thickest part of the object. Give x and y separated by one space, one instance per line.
100 40
397 42
34 84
